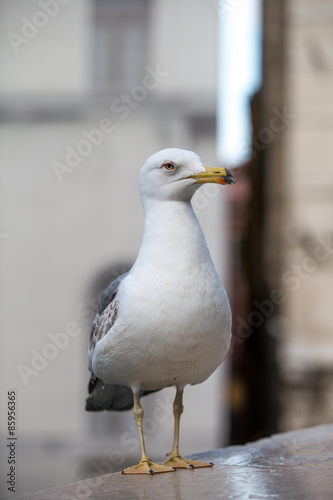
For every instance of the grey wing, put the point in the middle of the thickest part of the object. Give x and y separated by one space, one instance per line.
110 293
105 317
104 396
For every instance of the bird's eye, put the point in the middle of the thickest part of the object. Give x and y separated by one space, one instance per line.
169 166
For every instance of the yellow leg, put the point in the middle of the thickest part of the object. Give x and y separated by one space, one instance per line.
145 466
174 459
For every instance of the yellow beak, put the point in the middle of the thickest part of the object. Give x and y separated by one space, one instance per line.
217 175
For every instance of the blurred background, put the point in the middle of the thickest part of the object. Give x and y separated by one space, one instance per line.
88 90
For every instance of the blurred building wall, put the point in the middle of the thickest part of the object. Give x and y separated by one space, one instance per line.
306 201
283 338
71 148
298 70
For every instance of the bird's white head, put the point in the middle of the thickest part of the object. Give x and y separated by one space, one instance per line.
175 174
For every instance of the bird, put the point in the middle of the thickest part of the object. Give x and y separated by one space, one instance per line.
167 321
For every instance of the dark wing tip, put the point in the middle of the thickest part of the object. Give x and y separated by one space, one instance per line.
92 383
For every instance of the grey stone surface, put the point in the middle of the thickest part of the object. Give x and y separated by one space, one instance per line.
290 466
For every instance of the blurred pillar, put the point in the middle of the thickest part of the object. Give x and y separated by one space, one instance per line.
256 225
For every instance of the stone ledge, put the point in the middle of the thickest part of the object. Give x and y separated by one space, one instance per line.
291 466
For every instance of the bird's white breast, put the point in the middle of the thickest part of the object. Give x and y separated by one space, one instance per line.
173 324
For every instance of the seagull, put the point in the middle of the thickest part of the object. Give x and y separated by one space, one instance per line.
166 322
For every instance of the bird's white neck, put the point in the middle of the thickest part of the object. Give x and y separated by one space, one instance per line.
172 229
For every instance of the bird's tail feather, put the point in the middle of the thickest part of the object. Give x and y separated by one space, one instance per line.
110 397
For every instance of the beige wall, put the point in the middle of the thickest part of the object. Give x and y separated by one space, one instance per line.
309 184
298 71
44 53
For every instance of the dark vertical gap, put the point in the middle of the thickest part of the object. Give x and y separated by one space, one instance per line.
254 388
